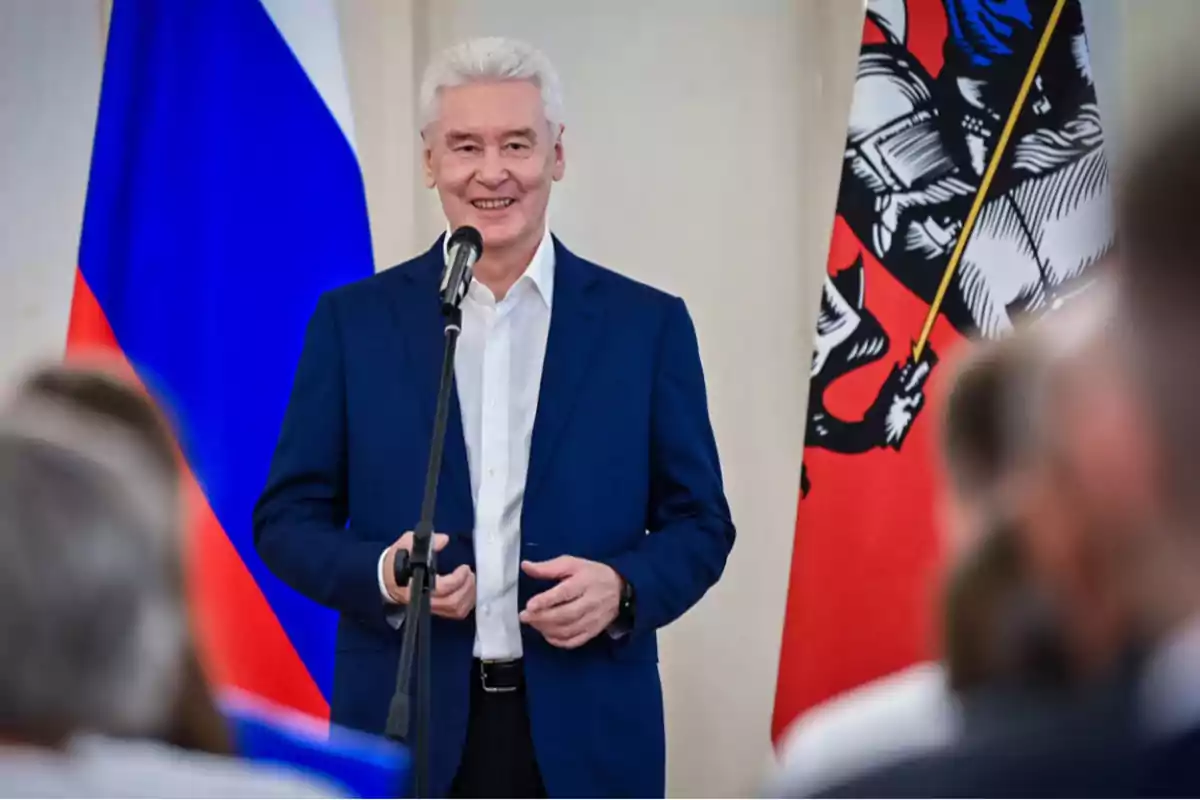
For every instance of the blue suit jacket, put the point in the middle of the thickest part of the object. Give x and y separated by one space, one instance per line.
622 469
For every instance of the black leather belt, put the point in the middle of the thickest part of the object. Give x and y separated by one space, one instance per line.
499 677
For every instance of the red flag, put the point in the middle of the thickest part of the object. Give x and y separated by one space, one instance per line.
974 192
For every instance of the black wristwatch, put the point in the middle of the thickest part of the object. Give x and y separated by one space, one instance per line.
627 609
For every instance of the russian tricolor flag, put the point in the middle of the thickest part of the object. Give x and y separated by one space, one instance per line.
225 196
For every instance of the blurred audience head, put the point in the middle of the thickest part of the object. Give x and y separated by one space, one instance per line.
996 629
89 621
1153 443
1060 503
100 399
1014 444
111 399
1110 513
974 438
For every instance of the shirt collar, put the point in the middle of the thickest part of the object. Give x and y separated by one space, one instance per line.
540 270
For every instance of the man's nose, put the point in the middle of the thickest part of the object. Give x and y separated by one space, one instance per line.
492 172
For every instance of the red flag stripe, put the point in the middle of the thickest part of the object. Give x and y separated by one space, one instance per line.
241 640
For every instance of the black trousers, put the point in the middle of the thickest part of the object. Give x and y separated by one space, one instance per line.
498 759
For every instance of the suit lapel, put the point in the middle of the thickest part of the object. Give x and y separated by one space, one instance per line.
419 317
575 325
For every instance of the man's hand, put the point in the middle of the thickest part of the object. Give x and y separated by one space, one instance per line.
453 595
584 603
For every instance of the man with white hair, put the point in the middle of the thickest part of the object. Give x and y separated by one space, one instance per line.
581 504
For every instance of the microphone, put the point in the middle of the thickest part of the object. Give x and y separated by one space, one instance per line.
463 250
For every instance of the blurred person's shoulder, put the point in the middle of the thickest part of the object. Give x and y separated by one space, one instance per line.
96 766
880 723
162 770
1035 746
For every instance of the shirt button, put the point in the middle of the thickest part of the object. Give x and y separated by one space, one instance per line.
487 611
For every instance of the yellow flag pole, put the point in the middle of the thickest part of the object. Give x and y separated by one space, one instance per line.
989 174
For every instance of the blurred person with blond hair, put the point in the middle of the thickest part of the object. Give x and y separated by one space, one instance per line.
104 398
987 600
92 622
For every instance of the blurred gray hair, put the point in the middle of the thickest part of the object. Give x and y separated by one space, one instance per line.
92 626
490 58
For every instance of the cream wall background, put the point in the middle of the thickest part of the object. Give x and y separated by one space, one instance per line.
50 60
703 148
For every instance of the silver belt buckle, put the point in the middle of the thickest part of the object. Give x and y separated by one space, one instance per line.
483 671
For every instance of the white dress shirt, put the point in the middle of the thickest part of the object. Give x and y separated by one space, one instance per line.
498 372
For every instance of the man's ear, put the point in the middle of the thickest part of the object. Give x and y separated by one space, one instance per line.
427 162
560 163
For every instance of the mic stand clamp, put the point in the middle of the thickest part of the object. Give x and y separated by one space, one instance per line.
418 570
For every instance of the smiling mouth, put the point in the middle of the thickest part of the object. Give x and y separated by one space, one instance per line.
493 205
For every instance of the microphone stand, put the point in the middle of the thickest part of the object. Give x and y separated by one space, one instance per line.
418 570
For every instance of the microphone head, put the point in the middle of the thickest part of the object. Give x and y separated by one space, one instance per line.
462 251
468 236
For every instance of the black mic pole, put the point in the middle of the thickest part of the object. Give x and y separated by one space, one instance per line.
418 570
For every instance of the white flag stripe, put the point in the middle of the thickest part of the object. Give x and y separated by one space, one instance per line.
310 27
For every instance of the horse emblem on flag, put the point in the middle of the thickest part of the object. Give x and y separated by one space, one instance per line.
982 189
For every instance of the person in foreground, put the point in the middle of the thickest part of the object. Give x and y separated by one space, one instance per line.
102 399
580 505
90 678
1113 523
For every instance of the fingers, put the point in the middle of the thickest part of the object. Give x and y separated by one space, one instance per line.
446 585
405 542
400 594
572 642
552 570
567 614
458 603
550 620
569 625
564 592
569 634
571 630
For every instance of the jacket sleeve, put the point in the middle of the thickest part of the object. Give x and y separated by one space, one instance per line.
300 520
689 528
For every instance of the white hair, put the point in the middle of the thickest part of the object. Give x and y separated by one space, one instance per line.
491 58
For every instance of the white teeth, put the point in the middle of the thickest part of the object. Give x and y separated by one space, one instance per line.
492 204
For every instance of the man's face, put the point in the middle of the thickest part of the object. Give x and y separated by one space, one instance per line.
493 156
